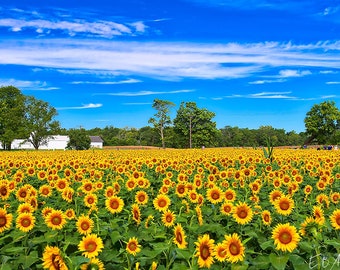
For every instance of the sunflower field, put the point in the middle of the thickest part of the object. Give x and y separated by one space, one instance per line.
170 209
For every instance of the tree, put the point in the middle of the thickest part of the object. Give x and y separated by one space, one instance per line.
79 140
196 124
162 118
39 121
321 122
12 115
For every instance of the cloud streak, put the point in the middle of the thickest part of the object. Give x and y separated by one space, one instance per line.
85 106
172 61
145 93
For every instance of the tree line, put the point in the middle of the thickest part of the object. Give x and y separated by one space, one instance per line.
25 117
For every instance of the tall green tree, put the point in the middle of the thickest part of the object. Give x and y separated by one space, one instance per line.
321 122
12 115
196 125
161 118
79 140
40 122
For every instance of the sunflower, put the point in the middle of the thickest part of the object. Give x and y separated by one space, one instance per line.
67 194
226 208
25 222
55 220
242 213
161 202
308 189
266 217
87 186
214 195
319 215
42 175
52 259
335 197
46 210
114 204
193 196
181 190
234 248
25 208
91 245
274 195
136 213
284 205
322 199
4 190
94 263
130 184
109 191
168 218
132 246
204 251
255 187
141 197
199 215
220 252
61 184
179 237
285 237
45 191
22 193
308 226
84 224
230 195
335 219
70 214
90 200
5 220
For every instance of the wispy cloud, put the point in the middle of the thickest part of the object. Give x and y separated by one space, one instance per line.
267 81
286 73
145 93
275 95
44 24
107 83
27 85
85 106
333 82
172 61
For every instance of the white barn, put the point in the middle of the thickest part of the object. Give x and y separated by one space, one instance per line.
55 142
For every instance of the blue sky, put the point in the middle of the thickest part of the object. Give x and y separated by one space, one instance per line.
102 63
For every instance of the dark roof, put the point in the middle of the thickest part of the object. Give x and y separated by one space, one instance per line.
96 139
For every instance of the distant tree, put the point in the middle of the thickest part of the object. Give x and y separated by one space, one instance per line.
196 125
79 140
321 122
12 115
39 121
162 118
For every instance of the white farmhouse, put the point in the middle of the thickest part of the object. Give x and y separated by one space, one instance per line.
96 142
55 142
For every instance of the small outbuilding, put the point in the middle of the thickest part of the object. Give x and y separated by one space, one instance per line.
96 142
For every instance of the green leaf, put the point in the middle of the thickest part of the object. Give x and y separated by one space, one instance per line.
183 254
298 262
239 267
306 246
13 250
334 243
261 262
30 259
266 244
78 260
279 262
115 236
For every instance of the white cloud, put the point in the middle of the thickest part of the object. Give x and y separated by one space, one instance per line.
267 81
107 83
332 82
85 106
27 85
145 93
171 61
286 73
